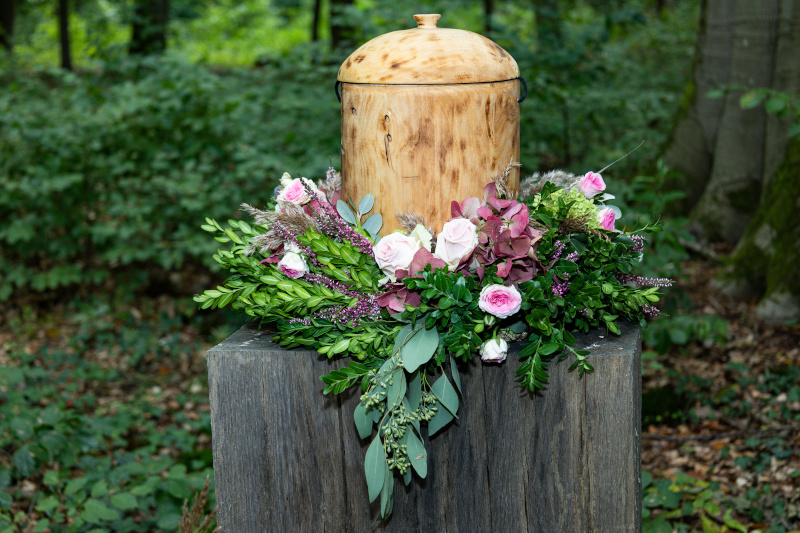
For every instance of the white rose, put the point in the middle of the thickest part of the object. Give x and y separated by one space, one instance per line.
422 236
293 265
494 351
286 179
458 239
395 251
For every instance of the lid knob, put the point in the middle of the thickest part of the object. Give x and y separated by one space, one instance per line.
427 21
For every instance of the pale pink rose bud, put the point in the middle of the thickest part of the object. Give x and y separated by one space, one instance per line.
591 185
294 193
395 251
293 265
499 300
458 239
286 179
494 351
606 218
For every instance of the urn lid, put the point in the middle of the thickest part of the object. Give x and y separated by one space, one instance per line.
428 55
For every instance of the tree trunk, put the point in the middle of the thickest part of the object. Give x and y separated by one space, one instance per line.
548 23
736 165
765 261
8 10
488 13
149 28
342 29
315 21
63 30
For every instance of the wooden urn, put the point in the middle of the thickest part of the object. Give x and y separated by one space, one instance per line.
429 115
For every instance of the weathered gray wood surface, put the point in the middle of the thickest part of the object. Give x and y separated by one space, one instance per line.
287 458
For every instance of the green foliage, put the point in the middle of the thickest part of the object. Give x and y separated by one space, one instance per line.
398 397
683 505
612 77
75 457
176 140
781 103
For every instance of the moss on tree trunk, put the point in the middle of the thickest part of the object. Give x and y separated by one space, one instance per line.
766 260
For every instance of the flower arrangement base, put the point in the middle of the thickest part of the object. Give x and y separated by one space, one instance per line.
288 458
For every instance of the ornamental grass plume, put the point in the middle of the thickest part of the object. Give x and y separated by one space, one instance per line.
192 520
501 181
579 223
290 221
331 186
409 221
531 186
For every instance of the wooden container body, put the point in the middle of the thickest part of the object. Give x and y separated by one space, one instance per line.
418 147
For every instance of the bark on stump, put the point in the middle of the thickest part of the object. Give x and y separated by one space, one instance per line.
287 458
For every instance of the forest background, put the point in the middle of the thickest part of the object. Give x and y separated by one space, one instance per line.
124 123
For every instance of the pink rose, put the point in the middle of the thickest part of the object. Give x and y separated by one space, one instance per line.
293 265
606 218
494 351
395 251
294 193
591 184
458 239
499 300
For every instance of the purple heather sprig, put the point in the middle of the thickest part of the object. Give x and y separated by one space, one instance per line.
332 284
643 281
366 307
638 243
289 238
331 224
559 250
560 287
650 310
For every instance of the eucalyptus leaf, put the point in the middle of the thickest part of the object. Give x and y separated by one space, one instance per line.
446 394
397 389
375 468
363 421
414 421
385 367
407 477
403 336
345 212
439 420
415 390
365 205
456 376
417 454
419 349
373 223
387 494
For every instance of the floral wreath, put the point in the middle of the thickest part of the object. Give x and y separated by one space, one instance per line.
506 267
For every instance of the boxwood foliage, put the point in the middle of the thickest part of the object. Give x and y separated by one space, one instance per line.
112 168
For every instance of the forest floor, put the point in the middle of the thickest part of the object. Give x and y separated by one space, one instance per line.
721 428
729 411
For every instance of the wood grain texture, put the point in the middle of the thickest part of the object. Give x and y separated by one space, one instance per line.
428 55
288 458
417 148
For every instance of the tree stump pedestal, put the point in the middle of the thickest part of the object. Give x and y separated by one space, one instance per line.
288 458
